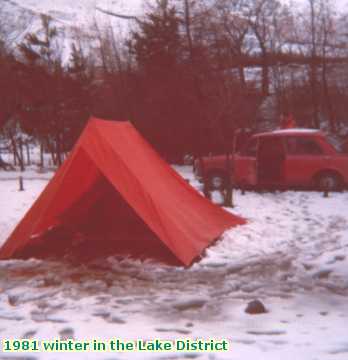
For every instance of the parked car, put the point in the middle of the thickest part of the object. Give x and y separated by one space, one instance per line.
281 158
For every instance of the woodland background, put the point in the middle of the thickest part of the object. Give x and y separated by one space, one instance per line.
187 74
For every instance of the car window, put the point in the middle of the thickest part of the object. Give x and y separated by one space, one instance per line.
303 146
338 145
251 148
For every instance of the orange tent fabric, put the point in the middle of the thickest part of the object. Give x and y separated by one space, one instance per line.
113 175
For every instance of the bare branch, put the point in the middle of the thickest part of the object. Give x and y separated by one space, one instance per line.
120 16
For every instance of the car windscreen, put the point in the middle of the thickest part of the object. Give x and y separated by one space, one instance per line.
336 143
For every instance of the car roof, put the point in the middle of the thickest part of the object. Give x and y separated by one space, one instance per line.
293 131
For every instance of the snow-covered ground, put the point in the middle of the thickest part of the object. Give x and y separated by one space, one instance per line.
292 255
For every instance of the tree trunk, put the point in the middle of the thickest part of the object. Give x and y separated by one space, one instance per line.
229 186
58 151
27 147
42 160
52 152
314 92
196 81
314 69
265 76
242 76
188 29
327 98
14 156
21 154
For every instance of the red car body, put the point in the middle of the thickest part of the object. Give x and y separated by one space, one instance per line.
282 158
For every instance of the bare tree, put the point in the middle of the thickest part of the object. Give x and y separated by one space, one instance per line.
234 29
318 41
264 18
328 44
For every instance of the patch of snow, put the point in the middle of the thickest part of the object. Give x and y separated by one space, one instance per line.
292 255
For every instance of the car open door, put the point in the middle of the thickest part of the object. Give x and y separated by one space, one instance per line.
270 160
245 164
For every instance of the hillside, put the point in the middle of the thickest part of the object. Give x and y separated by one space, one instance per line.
70 17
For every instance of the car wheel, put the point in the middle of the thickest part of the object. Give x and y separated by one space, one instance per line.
217 181
328 181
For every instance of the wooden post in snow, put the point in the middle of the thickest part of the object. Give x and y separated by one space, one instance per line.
326 189
21 184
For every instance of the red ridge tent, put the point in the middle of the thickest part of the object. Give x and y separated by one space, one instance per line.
116 189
